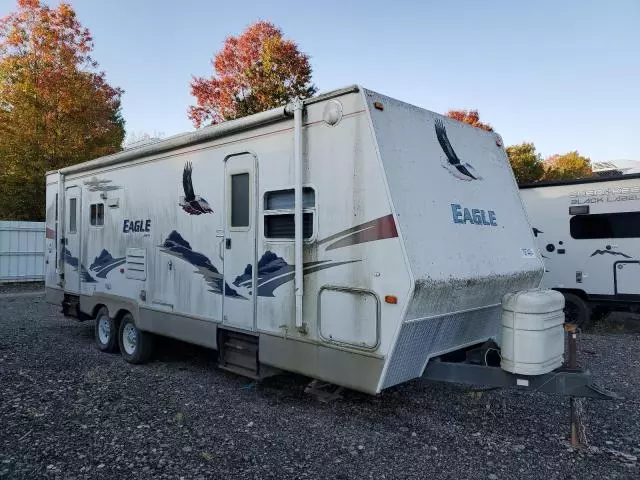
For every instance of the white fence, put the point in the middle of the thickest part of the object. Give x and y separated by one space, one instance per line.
21 251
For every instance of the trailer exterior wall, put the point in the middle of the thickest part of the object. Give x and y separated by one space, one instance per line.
186 267
462 225
589 265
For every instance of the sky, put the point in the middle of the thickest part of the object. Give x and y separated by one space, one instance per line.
562 74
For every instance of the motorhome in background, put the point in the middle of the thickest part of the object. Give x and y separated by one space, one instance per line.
588 233
350 237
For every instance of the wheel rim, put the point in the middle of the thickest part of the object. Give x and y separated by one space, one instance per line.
129 338
104 329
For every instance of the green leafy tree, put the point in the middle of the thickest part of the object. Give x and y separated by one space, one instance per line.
56 107
568 166
526 163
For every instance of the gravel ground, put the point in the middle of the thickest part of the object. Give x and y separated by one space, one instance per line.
69 411
22 287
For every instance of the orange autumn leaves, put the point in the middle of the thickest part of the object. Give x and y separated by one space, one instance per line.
471 117
56 107
255 71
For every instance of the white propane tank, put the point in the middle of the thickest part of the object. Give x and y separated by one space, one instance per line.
532 331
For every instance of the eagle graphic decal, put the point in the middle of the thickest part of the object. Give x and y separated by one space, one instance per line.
191 203
453 164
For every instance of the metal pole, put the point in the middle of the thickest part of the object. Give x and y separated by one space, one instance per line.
298 107
572 362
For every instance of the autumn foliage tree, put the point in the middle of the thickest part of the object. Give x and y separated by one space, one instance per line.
56 108
526 163
471 117
255 71
568 166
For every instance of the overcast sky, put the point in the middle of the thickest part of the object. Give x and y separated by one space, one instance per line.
563 74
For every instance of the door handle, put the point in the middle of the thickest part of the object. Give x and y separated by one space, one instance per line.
227 243
220 249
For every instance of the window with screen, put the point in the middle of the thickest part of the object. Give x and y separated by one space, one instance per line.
240 200
73 212
279 221
605 225
96 214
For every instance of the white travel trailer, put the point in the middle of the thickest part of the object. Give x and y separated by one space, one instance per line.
588 233
350 238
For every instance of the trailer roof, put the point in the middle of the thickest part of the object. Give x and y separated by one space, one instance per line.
579 181
205 134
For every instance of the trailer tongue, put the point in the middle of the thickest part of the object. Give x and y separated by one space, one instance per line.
565 380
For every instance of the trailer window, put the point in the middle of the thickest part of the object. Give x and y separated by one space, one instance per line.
279 221
73 205
605 225
96 214
284 199
240 200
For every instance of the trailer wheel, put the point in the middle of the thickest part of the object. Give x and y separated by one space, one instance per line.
105 331
136 346
598 314
575 310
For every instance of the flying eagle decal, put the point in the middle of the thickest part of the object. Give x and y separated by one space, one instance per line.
191 203
454 165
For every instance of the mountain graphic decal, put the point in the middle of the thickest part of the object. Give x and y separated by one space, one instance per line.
274 271
609 252
104 263
178 247
73 262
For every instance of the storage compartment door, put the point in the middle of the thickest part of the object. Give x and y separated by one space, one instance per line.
349 316
627 278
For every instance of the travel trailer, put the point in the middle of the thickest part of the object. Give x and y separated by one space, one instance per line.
588 233
349 237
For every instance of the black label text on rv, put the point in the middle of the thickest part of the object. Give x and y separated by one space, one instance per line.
475 216
136 226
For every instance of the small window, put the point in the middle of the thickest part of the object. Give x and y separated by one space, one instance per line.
579 210
283 225
605 225
97 214
73 205
285 199
240 199
279 218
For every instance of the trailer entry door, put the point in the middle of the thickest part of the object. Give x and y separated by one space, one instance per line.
71 242
239 243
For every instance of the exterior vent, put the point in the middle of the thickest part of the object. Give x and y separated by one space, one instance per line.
136 266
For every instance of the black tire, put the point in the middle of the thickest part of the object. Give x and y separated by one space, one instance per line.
105 331
598 314
576 310
136 345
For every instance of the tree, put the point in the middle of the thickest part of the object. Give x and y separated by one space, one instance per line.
253 72
56 108
526 163
568 166
472 117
